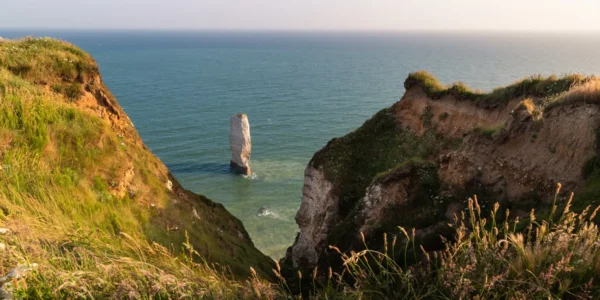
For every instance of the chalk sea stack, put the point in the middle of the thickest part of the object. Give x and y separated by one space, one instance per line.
240 144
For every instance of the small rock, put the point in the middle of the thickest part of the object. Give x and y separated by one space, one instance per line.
4 230
2 246
4 294
18 272
170 185
263 211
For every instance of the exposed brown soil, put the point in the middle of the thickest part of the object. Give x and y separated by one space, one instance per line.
525 153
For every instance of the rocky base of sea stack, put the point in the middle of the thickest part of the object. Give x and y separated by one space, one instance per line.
240 169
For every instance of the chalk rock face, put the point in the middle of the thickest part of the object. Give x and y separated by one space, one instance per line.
317 215
240 144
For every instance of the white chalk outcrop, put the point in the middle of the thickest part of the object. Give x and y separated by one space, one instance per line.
317 215
240 144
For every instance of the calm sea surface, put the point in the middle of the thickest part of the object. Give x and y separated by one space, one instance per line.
299 90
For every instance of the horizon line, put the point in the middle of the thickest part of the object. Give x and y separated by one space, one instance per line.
299 30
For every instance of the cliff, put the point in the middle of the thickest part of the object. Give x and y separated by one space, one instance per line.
86 201
414 164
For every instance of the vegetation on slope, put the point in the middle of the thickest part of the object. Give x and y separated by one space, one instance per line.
379 145
76 223
587 92
534 86
556 257
60 66
350 163
87 203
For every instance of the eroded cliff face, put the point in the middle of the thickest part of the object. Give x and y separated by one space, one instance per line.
318 213
511 146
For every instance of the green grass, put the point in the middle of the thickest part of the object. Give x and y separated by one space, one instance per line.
534 86
89 205
93 232
43 60
382 150
379 145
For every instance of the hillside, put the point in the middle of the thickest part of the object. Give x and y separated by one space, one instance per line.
86 210
388 211
415 164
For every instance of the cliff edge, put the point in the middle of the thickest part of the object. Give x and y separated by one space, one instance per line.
85 200
414 164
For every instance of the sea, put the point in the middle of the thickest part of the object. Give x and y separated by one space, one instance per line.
299 90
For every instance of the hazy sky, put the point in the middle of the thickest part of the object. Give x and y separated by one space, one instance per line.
547 15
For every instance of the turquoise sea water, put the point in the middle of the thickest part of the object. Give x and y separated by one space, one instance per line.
299 90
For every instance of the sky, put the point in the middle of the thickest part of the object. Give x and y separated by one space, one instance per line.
520 15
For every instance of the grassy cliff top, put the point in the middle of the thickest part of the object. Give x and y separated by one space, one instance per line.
88 204
56 64
536 86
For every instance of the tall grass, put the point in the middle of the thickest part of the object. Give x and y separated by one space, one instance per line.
588 92
61 169
137 270
91 208
557 257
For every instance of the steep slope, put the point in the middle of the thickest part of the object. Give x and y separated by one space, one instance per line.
83 197
415 164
